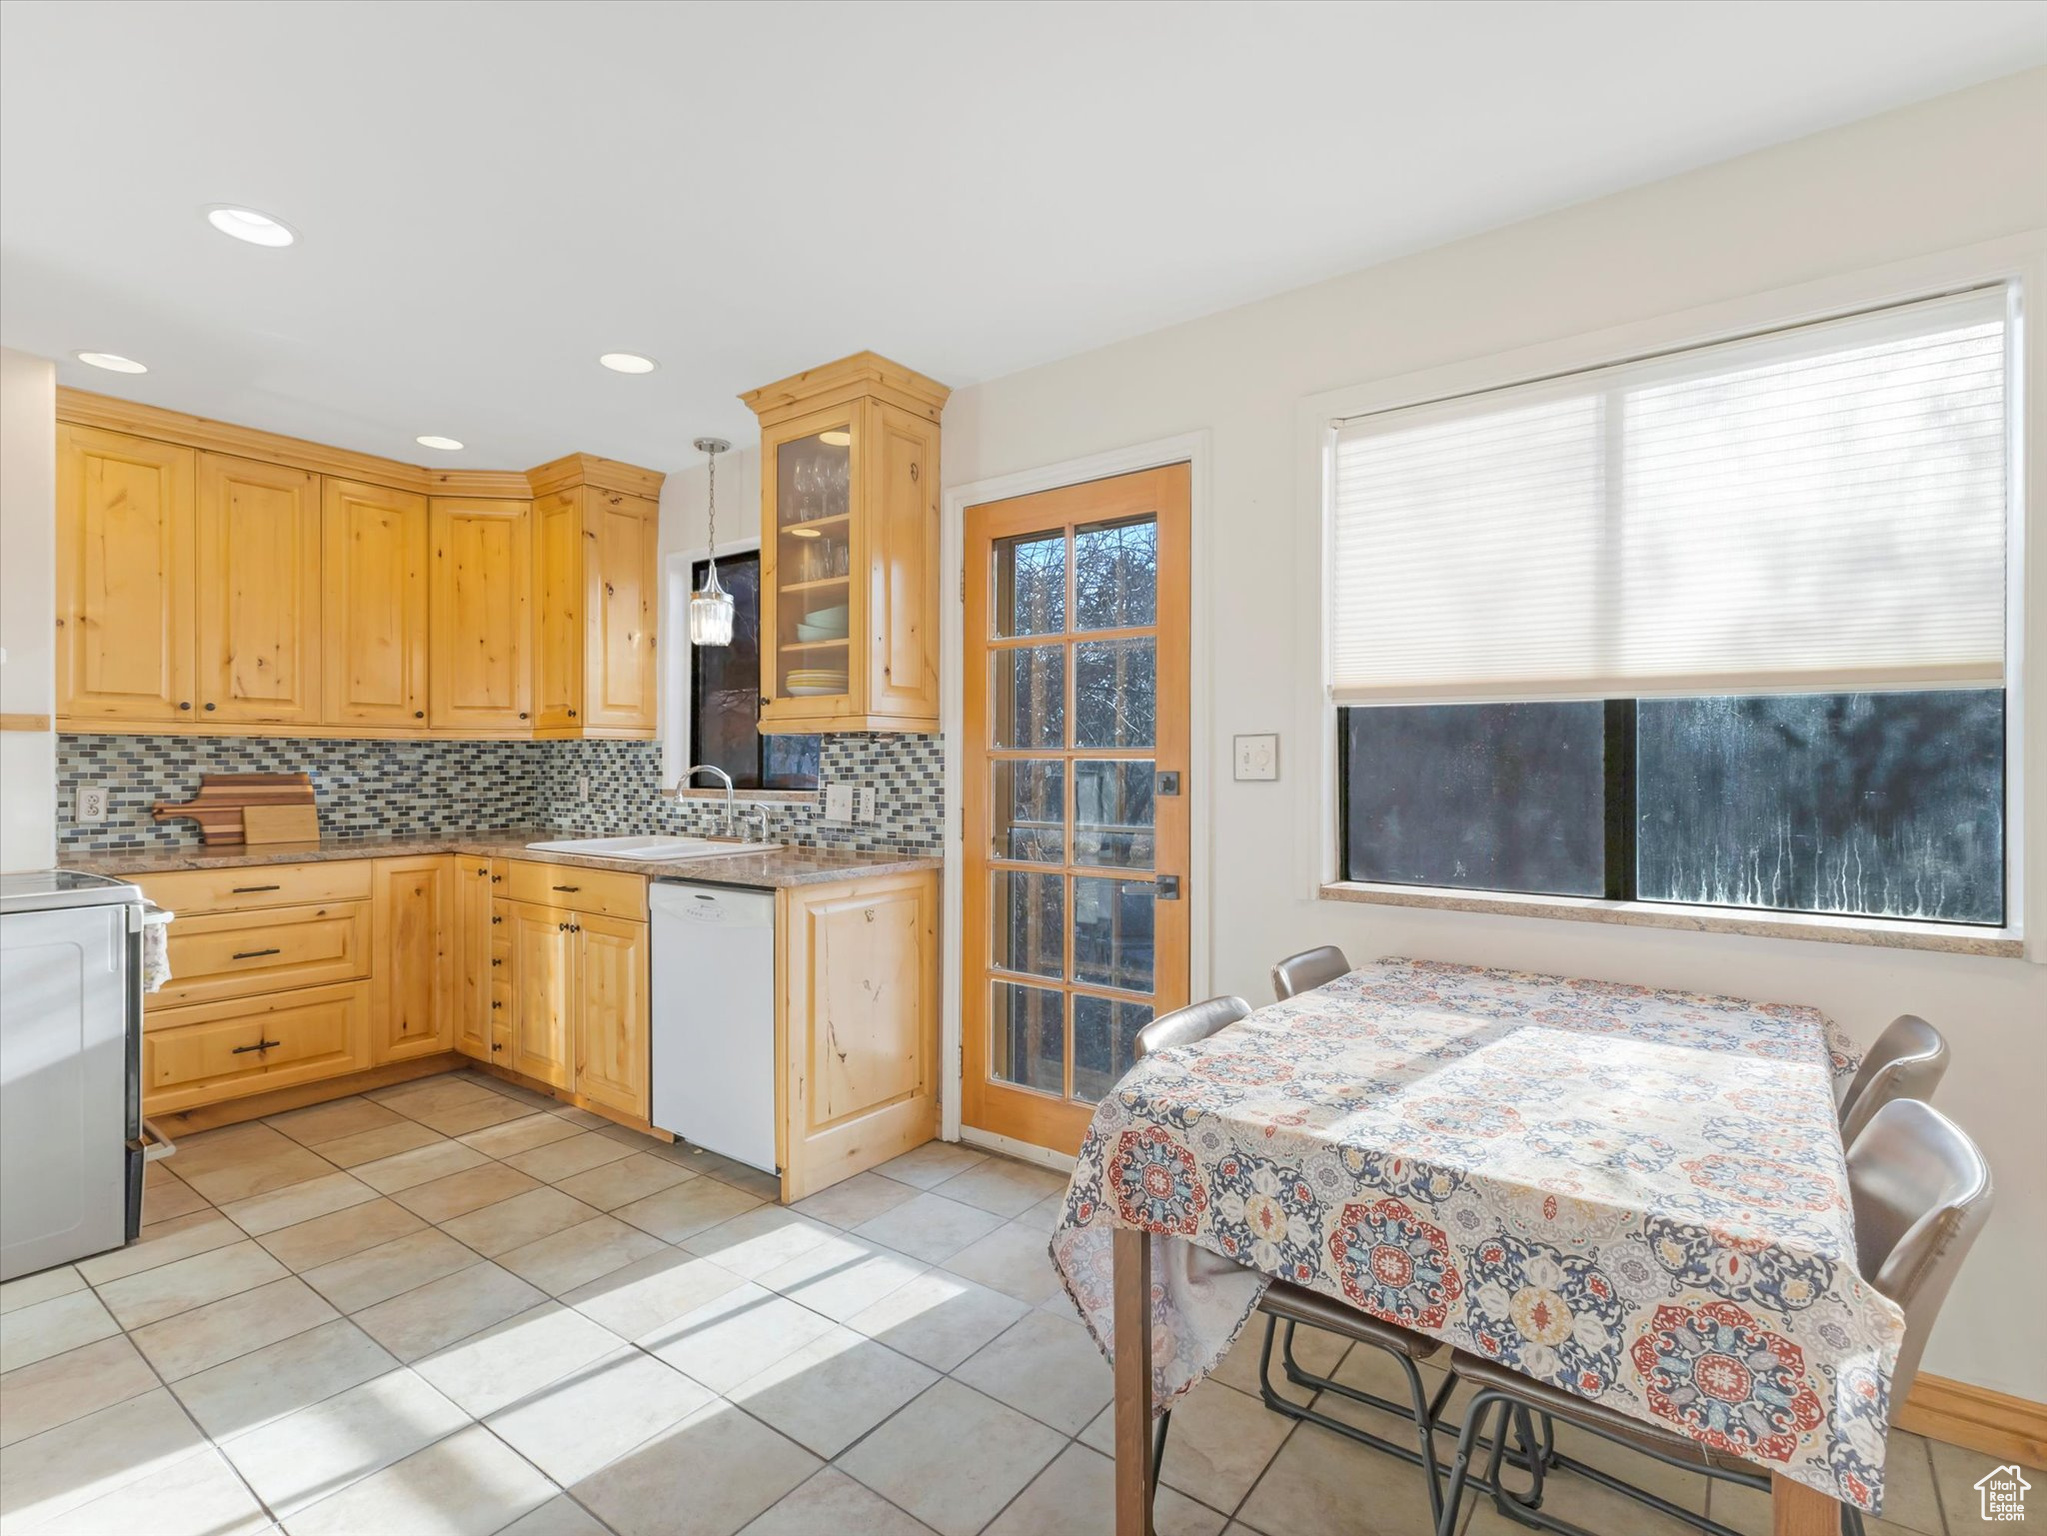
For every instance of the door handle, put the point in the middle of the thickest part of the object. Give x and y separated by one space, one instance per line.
1167 887
260 1045
254 954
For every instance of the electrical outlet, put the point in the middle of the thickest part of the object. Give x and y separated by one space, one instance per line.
838 802
92 802
582 786
863 803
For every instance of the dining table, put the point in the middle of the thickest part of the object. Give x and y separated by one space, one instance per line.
1638 1195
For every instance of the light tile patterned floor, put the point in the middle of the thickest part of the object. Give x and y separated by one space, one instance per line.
454 1307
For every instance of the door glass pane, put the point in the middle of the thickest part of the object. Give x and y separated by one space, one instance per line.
1027 1037
1030 584
1030 696
813 564
1116 575
1112 932
1112 813
1115 693
1028 808
1028 912
1104 1043
814 477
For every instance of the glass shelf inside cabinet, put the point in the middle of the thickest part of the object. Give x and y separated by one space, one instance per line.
813 563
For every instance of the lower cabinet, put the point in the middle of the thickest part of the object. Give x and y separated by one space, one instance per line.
412 908
207 1052
857 986
543 956
579 1003
476 959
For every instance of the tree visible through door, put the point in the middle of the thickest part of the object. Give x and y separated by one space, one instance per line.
1075 767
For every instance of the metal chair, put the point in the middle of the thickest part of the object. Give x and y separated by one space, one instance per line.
1293 1304
1310 969
1921 1193
1907 1062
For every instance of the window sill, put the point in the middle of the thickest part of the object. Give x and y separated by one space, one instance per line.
1876 933
745 796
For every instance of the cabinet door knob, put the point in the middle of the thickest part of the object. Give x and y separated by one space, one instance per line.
522 714
572 713
210 707
495 1046
495 1004
419 714
184 703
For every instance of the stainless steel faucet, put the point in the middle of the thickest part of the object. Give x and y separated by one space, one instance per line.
696 768
746 823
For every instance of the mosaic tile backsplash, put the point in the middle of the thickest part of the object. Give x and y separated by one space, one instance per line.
398 788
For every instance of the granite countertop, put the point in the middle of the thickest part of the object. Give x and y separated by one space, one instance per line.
786 866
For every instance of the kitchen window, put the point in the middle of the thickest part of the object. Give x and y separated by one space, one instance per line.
1722 628
724 695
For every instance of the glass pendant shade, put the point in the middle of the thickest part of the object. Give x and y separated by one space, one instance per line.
710 612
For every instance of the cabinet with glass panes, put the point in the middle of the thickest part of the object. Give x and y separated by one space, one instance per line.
849 548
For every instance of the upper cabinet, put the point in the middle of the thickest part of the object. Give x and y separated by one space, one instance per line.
258 571
849 548
482 642
376 630
124 579
596 595
216 580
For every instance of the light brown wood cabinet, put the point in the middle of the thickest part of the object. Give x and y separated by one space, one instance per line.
482 652
375 636
849 548
611 1028
217 580
226 1050
543 961
412 904
579 962
476 958
857 1025
258 570
125 598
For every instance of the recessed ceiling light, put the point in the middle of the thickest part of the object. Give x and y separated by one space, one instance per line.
247 224
628 362
113 362
447 444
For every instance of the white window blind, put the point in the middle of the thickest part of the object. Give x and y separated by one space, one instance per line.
1817 510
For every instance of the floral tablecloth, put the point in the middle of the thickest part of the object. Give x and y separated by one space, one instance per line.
1635 1195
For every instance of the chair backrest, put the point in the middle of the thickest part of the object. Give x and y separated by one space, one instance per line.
1906 1062
1921 1192
1184 1026
1310 969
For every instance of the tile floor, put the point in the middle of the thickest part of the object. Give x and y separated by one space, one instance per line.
452 1307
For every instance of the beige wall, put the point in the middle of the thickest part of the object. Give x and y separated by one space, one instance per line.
28 607
1950 173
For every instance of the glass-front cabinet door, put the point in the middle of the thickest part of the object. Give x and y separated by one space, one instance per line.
812 609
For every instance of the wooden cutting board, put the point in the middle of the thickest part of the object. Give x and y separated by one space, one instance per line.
280 824
219 804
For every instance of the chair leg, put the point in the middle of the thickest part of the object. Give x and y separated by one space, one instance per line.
1460 1465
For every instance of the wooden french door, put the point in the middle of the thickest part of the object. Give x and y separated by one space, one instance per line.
1075 781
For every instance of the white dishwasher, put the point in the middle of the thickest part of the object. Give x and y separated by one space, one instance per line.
713 1010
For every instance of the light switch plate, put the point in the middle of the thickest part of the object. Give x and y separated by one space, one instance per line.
1257 758
92 802
838 802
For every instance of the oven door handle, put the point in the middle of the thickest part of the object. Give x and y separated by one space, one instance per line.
152 1143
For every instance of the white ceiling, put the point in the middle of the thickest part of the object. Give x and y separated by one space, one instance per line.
489 195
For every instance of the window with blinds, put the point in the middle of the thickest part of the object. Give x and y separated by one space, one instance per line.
1725 626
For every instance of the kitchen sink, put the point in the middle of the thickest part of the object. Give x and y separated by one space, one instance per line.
651 848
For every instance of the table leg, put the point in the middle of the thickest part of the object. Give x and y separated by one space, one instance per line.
1132 1285
1796 1510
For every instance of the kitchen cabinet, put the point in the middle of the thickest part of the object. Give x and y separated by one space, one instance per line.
412 904
849 548
217 580
258 598
611 1024
543 964
477 960
225 1050
480 661
125 598
375 635
857 1028
596 594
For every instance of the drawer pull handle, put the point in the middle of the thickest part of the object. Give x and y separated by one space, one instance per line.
497 962
260 1045
495 920
495 1046
571 889
244 890
256 954
495 1004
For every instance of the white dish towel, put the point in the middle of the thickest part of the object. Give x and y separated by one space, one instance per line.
156 947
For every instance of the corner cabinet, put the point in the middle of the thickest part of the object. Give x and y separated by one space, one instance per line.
849 548
481 648
412 907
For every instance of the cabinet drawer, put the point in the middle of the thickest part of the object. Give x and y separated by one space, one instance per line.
234 954
261 885
212 1051
608 893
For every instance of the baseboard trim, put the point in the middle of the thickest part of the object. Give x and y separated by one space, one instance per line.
207 1117
1022 1151
1976 1418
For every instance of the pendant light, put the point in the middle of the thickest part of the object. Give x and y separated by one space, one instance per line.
710 610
